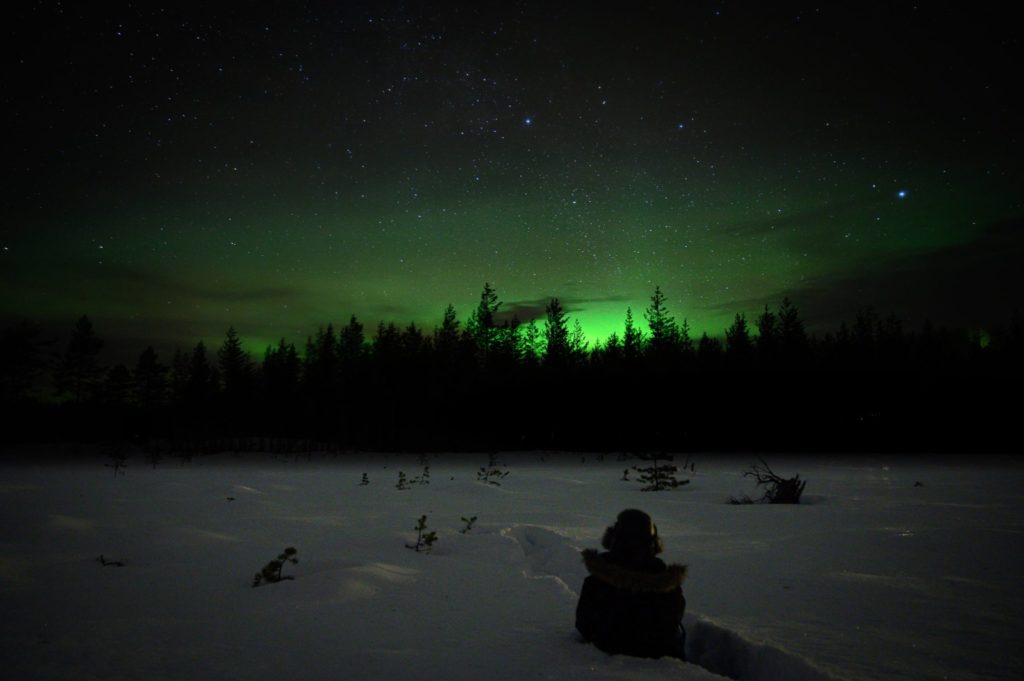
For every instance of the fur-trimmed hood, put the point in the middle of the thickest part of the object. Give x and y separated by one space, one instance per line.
621 577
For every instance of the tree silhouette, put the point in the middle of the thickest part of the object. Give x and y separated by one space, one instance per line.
737 340
21 362
78 373
236 369
150 381
664 332
117 387
792 334
351 342
632 338
202 379
556 335
481 327
767 336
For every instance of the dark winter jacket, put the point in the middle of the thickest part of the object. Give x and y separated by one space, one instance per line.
631 607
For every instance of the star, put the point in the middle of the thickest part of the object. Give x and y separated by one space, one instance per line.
901 194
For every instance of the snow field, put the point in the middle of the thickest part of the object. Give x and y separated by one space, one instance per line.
873 578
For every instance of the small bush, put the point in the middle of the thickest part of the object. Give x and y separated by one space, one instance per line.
424 540
271 572
491 474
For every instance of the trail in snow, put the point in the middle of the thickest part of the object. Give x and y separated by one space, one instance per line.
719 650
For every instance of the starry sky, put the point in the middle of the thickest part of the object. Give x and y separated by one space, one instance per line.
175 169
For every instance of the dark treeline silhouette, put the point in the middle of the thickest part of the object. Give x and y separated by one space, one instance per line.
485 384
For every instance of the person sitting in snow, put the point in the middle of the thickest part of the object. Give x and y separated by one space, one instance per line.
632 603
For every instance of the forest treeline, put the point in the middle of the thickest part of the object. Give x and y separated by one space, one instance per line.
484 384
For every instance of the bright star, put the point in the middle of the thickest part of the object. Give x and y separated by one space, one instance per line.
901 194
528 120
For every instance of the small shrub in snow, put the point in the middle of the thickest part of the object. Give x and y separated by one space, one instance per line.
491 474
625 475
778 490
658 476
365 481
271 572
423 478
469 524
119 462
108 563
403 483
424 540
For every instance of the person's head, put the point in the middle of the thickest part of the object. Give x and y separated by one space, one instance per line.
633 534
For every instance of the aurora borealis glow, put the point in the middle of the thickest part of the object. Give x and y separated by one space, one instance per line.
173 171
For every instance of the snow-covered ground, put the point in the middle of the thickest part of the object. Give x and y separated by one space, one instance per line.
872 578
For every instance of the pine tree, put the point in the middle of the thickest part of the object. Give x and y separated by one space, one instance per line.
658 476
737 340
20 363
281 372
271 572
424 540
792 334
202 380
150 381
632 339
709 351
117 386
78 373
556 335
236 369
351 342
664 333
767 336
530 343
577 343
481 327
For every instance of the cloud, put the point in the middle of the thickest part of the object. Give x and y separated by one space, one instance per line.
536 308
795 223
977 284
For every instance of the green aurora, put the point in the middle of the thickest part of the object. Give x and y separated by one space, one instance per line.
234 185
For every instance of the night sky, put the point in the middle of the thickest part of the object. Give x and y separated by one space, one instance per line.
172 171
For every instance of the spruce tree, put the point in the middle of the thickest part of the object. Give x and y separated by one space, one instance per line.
150 381
632 338
20 363
236 369
78 374
737 340
481 327
664 332
767 336
556 335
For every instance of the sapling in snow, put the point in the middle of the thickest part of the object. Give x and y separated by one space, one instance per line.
365 481
119 462
424 540
658 476
491 474
403 483
469 524
271 572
